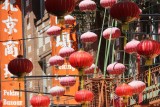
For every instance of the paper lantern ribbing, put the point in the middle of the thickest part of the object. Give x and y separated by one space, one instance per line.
125 11
114 32
56 60
90 70
88 37
54 30
87 5
57 91
80 59
116 68
148 48
40 101
20 66
131 47
67 81
65 52
107 3
124 90
83 96
138 86
70 20
60 8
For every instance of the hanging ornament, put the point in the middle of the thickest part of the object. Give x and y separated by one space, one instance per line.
83 96
69 20
60 8
116 68
56 61
114 32
90 70
138 86
20 66
88 37
57 91
40 101
87 6
107 3
65 52
131 47
54 30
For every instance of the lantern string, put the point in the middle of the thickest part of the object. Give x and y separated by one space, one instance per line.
100 39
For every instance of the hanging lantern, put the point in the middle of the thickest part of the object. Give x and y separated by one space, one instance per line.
131 47
20 66
116 68
124 90
40 101
67 81
80 59
65 52
54 30
114 32
57 91
87 5
56 61
70 20
83 96
89 37
59 8
148 49
107 3
1 103
125 11
90 70
138 86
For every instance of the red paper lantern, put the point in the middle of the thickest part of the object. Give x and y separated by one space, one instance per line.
80 59
138 86
125 11
90 70
131 47
107 3
89 37
57 91
54 30
69 20
116 68
65 52
67 81
114 32
124 90
40 101
87 5
59 7
148 48
83 96
20 66
56 60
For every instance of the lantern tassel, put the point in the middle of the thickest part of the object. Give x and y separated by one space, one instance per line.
149 76
125 27
148 62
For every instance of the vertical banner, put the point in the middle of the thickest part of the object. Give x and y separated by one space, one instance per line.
10 35
68 38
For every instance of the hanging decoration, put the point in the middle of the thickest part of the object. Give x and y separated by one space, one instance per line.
83 96
20 66
116 68
138 86
1 103
131 47
56 61
69 20
90 70
57 91
54 30
60 8
40 101
88 37
67 82
65 52
107 3
87 6
114 32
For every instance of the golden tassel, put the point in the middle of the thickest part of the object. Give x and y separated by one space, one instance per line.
149 76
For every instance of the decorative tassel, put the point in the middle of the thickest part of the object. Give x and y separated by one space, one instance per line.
125 27
148 62
149 76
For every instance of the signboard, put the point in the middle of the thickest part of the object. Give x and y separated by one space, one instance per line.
10 33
